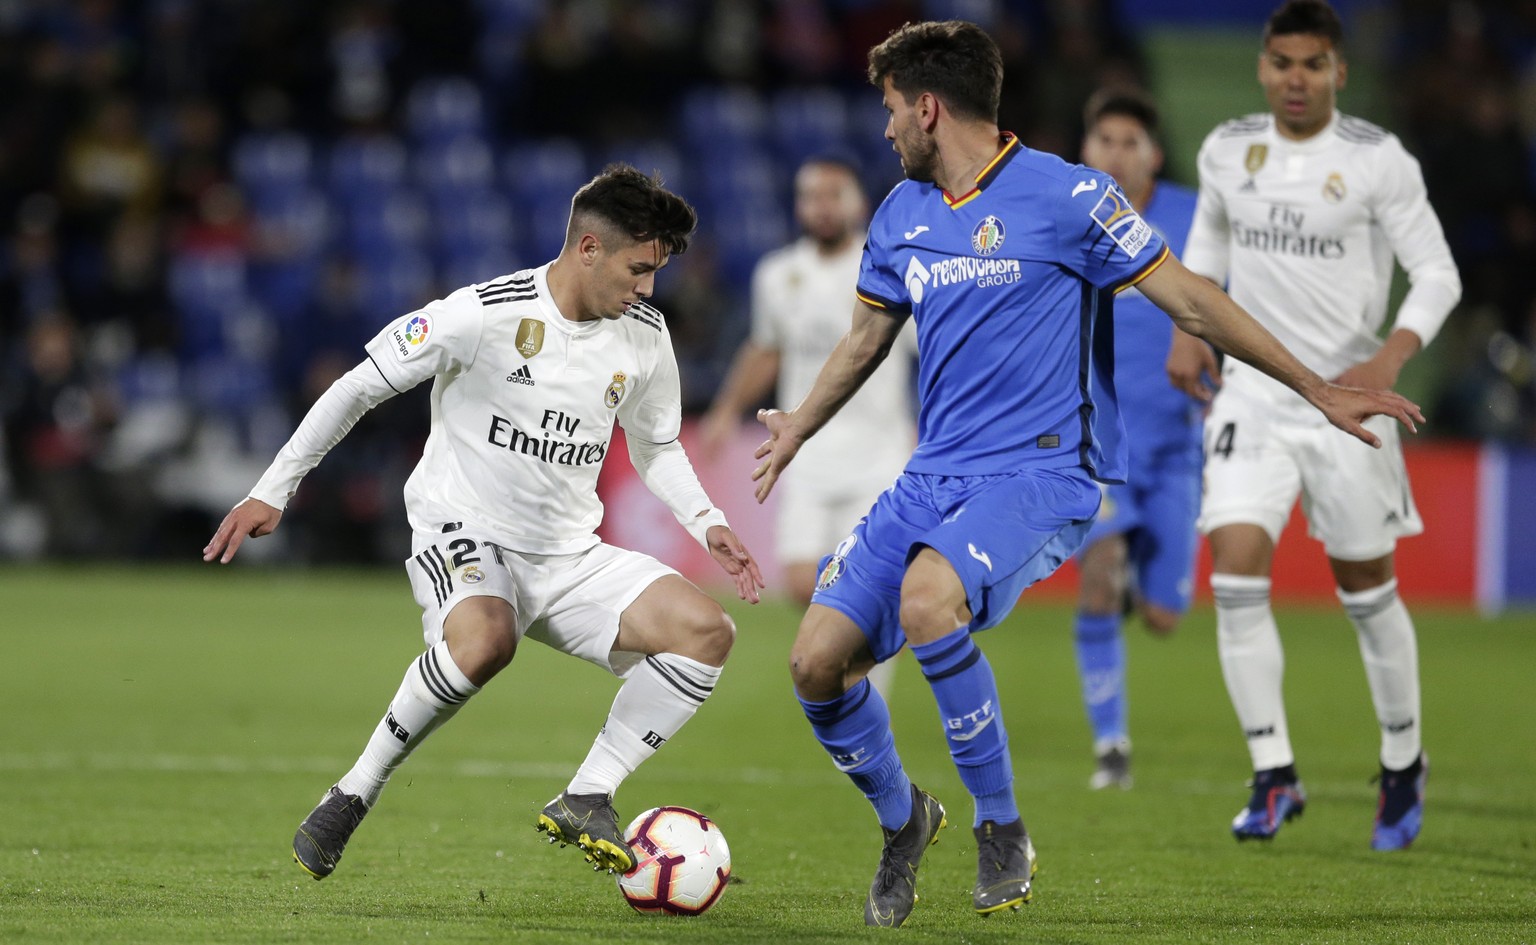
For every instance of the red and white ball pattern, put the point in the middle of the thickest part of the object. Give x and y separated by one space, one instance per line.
684 863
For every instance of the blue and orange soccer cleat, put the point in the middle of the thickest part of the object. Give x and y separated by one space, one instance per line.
1277 797
1400 806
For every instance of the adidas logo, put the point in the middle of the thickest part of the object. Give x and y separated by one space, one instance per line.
521 376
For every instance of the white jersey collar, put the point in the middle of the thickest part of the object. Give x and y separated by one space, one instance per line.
1312 145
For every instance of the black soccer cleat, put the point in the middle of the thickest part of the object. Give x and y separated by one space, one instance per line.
324 833
894 891
1005 867
1112 767
1277 797
589 821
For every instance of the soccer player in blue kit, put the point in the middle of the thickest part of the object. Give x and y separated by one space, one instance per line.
1143 542
1007 259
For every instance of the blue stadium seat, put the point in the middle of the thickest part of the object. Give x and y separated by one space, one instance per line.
271 165
390 284
455 166
653 154
807 122
366 167
716 117
544 168
741 231
397 220
475 225
441 108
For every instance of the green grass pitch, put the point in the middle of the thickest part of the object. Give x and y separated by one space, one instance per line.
165 730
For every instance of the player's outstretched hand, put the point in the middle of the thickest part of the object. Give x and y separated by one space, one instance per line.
1349 407
733 556
776 452
1191 366
252 518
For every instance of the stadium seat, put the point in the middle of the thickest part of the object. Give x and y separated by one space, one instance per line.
397 220
390 284
455 166
653 154
272 165
474 225
545 167
442 108
366 167
716 117
807 122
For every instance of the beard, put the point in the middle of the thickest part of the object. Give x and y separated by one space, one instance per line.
919 157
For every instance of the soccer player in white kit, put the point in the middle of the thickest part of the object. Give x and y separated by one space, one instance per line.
1301 212
530 371
799 311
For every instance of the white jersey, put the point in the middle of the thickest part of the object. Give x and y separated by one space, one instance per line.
1303 233
801 305
523 406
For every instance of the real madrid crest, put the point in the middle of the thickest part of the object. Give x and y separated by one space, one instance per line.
988 236
1254 159
1333 188
615 391
530 337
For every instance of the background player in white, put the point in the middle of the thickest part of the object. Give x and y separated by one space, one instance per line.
529 373
1301 212
1143 543
799 311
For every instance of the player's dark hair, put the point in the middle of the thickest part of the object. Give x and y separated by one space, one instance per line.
955 60
1309 17
637 205
1128 102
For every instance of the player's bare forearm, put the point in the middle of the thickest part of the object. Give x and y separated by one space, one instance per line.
252 518
1198 307
1381 370
853 360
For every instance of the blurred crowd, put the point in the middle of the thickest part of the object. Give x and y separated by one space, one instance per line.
207 206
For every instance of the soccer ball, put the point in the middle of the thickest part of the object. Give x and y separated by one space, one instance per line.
683 865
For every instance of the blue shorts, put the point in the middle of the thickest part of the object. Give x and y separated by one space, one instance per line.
1000 533
1156 512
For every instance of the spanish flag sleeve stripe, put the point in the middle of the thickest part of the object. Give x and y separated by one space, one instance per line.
1147 271
884 304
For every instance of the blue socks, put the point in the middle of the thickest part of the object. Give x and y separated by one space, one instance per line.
855 729
966 691
1101 663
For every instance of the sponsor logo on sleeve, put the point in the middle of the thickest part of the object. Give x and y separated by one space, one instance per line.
1115 216
411 337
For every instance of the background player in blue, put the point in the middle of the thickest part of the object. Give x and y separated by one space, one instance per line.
1007 259
1144 540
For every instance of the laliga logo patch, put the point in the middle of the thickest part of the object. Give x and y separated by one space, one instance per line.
1115 216
988 236
472 575
408 340
615 391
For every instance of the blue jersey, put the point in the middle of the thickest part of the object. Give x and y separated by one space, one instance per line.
1011 286
1158 417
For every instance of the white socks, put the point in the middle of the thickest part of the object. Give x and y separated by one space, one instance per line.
1391 655
433 690
660 695
1253 665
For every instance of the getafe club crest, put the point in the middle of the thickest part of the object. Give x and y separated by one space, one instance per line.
615 391
1254 159
988 236
530 337
832 567
1333 189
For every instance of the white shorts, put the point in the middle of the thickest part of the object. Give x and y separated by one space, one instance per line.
569 602
810 526
1356 499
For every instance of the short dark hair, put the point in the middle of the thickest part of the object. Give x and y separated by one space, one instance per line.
1129 102
955 60
1312 17
637 205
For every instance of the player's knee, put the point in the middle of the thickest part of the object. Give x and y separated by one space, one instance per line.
817 672
1101 593
926 616
707 631
483 648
